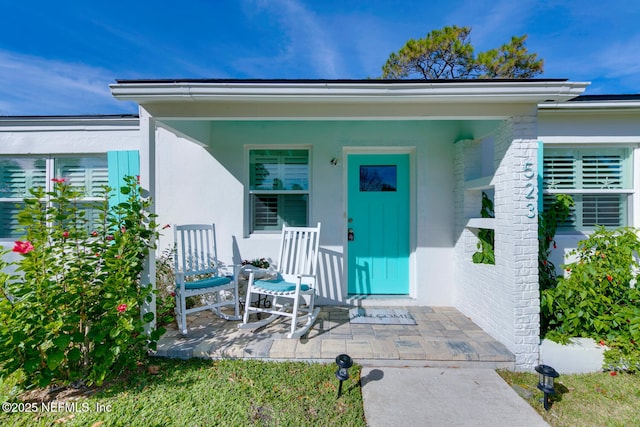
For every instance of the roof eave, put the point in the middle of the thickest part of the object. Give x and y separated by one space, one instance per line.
476 91
589 106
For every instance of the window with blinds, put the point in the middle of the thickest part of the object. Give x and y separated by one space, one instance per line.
278 188
18 175
599 181
88 175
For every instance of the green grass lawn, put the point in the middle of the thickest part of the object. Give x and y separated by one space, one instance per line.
596 399
252 392
206 393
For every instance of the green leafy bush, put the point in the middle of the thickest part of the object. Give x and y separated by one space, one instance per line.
166 286
548 221
486 237
599 298
72 313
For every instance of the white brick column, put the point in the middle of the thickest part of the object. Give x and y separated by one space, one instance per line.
517 224
503 298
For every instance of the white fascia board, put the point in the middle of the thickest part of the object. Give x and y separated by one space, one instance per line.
63 123
388 92
588 105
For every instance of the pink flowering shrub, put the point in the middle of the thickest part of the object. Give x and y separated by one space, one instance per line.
22 247
600 297
72 310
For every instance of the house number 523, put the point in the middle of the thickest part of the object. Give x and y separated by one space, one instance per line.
529 174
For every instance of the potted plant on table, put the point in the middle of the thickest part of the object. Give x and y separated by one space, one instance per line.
261 268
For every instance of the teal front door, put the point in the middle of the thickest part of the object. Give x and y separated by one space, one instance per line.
378 224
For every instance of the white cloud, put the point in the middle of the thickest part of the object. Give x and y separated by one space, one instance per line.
611 66
306 42
620 59
38 86
493 22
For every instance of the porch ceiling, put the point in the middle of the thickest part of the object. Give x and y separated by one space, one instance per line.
447 99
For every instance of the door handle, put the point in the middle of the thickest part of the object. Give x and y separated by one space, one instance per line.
350 235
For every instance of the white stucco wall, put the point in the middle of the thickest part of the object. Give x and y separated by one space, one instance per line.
206 183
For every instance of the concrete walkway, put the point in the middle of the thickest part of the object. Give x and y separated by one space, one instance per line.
439 372
442 337
443 397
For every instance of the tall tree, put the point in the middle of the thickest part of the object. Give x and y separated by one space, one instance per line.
510 61
449 54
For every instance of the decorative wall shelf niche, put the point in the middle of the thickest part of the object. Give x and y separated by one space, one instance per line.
483 183
487 223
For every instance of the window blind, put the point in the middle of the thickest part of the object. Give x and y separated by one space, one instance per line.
595 179
19 175
279 186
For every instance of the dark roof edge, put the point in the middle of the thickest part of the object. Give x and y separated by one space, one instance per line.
328 81
616 97
75 116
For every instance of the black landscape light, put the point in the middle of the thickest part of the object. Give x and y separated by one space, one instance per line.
546 377
344 362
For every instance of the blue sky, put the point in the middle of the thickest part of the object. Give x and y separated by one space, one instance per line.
58 57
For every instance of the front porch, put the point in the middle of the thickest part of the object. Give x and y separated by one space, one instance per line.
442 336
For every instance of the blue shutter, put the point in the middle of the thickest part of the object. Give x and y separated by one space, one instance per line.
121 164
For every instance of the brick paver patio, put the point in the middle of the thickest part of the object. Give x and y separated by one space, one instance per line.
442 337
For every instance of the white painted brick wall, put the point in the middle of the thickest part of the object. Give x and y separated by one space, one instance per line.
502 298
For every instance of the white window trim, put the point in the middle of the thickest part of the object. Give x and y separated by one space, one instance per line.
248 211
633 203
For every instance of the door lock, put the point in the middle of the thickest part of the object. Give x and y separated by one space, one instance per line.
350 235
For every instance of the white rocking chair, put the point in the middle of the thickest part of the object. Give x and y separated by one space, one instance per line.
295 284
197 274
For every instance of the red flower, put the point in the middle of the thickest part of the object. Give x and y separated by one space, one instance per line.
601 342
65 234
123 229
613 373
609 278
23 247
602 256
544 262
173 294
59 180
109 237
555 246
94 233
166 226
122 308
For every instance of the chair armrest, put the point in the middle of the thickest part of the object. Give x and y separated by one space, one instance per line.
310 279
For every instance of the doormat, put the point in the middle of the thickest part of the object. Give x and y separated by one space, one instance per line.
379 316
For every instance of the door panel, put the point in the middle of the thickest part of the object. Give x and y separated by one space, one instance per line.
378 216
